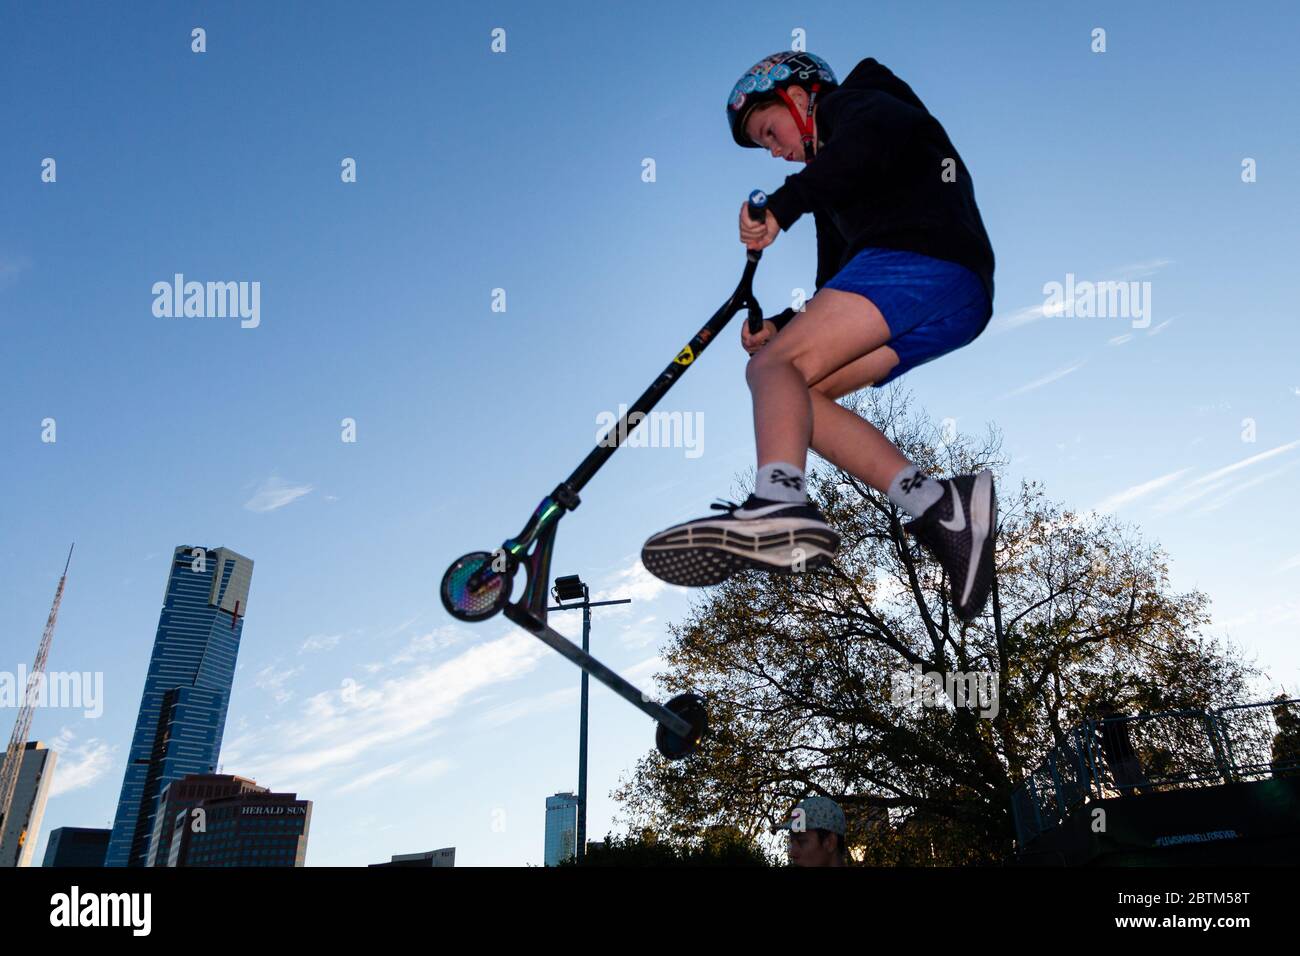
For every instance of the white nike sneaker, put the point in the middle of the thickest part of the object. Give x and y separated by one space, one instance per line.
958 531
767 535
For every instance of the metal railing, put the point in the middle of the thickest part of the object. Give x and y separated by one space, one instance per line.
1148 753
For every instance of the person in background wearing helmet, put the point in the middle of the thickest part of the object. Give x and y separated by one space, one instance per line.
817 833
904 275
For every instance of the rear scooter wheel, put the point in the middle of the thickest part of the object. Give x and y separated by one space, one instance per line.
691 708
472 591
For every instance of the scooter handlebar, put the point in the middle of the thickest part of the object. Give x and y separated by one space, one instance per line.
757 205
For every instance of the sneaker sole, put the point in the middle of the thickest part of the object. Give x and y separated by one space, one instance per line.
983 514
702 556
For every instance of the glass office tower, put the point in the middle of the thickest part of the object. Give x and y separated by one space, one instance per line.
183 709
561 828
77 846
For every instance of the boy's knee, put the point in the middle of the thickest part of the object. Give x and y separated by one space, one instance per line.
755 366
771 357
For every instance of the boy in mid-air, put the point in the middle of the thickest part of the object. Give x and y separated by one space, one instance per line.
904 275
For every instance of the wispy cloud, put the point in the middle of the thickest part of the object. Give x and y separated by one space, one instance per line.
1137 270
335 729
528 706
1045 380
369 779
1032 313
319 642
642 633
642 674
1246 463
272 681
1239 486
633 582
427 644
1121 498
1269 616
79 765
408 769
1218 479
276 493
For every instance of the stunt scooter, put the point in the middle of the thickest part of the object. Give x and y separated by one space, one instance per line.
478 585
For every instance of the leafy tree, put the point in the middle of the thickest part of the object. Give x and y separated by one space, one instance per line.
717 846
802 672
1286 742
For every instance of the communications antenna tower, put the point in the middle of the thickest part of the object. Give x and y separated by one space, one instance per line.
18 742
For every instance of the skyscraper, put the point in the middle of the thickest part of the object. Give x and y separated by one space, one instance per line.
446 857
77 846
254 827
186 692
561 828
22 826
181 796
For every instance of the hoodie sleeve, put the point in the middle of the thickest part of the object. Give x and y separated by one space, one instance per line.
869 135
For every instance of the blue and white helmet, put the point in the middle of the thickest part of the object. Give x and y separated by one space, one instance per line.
760 83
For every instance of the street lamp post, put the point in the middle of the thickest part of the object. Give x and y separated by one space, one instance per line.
570 588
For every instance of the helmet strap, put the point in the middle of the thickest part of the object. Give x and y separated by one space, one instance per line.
807 123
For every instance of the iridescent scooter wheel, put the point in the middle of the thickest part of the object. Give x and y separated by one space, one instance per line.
471 590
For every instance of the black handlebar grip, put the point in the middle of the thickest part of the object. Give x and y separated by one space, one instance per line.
757 205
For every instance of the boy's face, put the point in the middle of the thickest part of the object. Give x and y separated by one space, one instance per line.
773 128
808 848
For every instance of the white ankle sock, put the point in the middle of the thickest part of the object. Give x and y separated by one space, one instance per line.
913 491
780 481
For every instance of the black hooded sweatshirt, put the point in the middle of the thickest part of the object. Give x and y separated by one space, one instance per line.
877 180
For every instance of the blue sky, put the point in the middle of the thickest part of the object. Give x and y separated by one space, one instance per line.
522 171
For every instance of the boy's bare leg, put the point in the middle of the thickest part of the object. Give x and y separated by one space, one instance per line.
853 444
838 344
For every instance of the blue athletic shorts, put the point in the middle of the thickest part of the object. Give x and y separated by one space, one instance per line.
931 306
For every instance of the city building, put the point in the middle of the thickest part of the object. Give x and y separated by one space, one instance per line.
182 712
77 846
250 828
22 825
179 797
443 857
561 828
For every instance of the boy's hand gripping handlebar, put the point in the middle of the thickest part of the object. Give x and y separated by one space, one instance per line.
758 213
